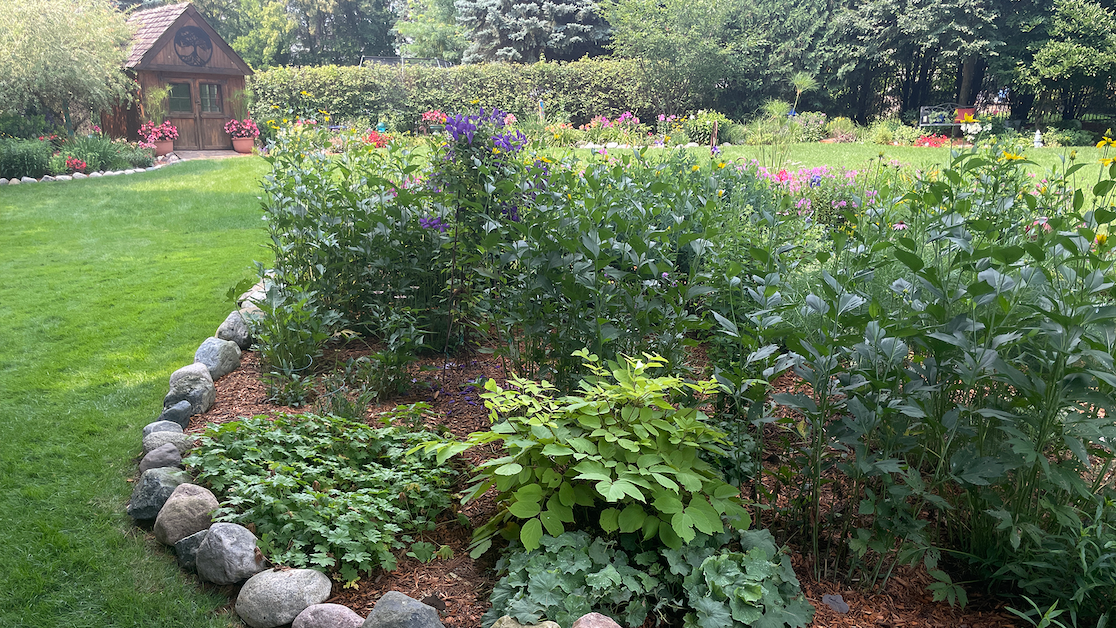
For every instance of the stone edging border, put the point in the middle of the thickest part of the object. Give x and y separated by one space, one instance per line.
77 176
226 553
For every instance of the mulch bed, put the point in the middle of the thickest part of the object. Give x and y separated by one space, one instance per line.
459 586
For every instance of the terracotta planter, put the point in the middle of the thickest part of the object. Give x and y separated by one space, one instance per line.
243 144
162 147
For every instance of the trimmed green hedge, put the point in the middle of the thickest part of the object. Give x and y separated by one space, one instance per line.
576 90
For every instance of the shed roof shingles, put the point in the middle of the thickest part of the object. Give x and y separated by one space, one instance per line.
151 24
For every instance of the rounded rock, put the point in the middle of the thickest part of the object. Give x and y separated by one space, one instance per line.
187 550
221 357
152 491
229 554
192 383
276 597
166 455
328 616
396 610
187 511
155 440
235 330
161 426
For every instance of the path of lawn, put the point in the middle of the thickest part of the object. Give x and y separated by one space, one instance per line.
106 287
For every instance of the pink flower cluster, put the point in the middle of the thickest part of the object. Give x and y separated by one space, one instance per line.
242 128
434 117
152 132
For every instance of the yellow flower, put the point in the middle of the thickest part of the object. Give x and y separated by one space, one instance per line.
694 168
1104 142
285 120
968 118
721 164
666 139
720 192
474 101
1102 238
1107 161
1011 156
304 93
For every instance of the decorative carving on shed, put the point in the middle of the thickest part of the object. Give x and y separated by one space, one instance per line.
193 46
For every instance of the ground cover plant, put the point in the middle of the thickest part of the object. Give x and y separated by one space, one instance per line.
116 280
949 327
327 492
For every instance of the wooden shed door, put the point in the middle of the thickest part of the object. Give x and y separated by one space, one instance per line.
197 108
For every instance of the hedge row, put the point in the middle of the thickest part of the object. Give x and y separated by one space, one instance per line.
576 90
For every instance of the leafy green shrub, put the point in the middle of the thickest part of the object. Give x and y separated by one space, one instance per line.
573 574
323 491
24 158
735 134
131 156
27 126
892 131
1068 137
809 126
729 580
618 457
753 585
291 331
842 130
98 152
699 126
582 89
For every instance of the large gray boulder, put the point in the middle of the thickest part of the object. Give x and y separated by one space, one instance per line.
276 597
192 383
328 616
161 426
187 550
166 455
396 610
221 357
179 413
155 440
229 555
152 490
186 512
235 329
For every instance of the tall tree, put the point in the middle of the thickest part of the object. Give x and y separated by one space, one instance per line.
62 56
1078 61
428 29
734 53
526 30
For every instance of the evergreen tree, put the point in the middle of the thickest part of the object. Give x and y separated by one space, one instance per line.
527 30
429 29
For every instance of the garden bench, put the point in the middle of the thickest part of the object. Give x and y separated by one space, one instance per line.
948 114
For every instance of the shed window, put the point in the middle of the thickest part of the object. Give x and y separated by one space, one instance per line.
179 100
210 97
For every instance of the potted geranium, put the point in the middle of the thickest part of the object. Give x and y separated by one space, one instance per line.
434 121
243 133
161 135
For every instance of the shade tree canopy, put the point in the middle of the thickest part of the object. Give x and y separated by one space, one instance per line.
62 57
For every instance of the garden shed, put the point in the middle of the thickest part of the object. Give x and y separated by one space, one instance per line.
174 46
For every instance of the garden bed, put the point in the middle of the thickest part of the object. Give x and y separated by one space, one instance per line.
460 586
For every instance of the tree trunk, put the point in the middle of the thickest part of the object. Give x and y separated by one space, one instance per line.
965 95
865 96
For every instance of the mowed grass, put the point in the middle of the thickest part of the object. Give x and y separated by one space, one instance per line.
106 287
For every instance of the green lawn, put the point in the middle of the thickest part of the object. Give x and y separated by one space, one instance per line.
107 287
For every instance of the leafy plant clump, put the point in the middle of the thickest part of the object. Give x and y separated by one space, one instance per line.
619 457
324 491
723 580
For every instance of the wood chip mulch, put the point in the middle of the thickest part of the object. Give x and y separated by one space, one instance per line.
459 586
